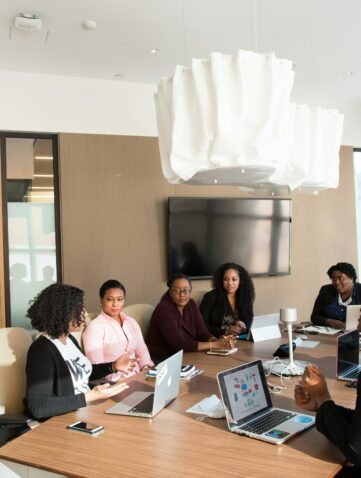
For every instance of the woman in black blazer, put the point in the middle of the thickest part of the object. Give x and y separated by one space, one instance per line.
228 308
332 300
57 371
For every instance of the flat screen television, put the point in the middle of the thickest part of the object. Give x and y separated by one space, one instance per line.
204 233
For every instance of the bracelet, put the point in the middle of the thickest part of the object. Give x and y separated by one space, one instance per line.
113 367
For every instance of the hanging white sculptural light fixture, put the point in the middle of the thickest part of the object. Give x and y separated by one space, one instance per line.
229 120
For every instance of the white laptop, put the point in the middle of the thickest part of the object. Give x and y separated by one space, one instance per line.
248 406
148 404
353 313
264 327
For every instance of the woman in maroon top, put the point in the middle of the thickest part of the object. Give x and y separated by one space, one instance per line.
177 324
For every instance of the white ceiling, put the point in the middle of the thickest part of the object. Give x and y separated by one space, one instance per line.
322 38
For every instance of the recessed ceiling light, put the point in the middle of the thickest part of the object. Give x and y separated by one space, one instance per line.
89 24
118 76
154 51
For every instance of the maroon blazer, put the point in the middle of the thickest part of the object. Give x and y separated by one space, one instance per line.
170 332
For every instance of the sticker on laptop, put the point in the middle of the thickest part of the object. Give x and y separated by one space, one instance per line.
277 434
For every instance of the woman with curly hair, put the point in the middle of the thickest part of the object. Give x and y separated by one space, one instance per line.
57 371
228 308
332 300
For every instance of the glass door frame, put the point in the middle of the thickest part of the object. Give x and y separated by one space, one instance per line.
5 293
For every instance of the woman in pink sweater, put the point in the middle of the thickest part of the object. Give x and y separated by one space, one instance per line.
113 333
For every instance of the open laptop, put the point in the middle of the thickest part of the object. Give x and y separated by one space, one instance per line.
264 327
148 404
347 356
248 406
353 313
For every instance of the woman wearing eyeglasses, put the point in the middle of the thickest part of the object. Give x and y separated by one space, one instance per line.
176 324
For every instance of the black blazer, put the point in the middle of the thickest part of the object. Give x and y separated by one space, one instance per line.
213 313
342 427
325 297
49 387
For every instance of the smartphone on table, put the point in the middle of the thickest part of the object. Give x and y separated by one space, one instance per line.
85 427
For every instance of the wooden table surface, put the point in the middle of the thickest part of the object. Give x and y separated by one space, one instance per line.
175 443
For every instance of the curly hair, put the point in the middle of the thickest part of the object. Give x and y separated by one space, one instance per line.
245 293
54 307
345 268
111 284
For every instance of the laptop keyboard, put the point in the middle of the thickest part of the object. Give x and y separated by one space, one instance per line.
145 406
267 421
352 373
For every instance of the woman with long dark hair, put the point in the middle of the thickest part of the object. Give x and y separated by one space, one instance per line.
228 308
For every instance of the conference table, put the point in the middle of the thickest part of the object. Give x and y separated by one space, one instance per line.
177 444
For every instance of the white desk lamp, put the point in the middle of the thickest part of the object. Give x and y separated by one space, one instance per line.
288 367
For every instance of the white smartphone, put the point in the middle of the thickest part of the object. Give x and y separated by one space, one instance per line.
86 427
222 351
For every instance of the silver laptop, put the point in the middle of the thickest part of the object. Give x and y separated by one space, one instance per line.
148 404
353 313
248 406
347 356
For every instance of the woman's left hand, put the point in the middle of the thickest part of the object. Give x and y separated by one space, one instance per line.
237 328
227 341
126 363
314 383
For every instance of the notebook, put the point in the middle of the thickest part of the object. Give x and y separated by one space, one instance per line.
353 313
148 404
347 356
248 406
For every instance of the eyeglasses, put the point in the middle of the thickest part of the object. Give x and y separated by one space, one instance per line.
181 291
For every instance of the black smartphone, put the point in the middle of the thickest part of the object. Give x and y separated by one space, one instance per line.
284 350
86 427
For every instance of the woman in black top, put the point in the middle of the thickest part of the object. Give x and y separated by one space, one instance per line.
332 300
342 426
228 308
57 371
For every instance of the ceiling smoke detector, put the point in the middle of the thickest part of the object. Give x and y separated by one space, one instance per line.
27 22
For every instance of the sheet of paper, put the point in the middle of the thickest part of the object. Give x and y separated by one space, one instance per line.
205 406
308 344
321 330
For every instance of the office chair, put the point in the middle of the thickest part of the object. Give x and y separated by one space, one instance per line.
141 313
14 346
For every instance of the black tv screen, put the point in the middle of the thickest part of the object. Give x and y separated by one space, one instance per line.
204 233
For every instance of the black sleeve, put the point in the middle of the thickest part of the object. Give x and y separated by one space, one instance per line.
42 400
342 427
323 299
247 316
100 370
209 312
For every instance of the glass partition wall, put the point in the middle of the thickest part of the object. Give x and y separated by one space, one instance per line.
30 220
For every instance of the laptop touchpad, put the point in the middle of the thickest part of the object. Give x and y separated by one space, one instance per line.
128 402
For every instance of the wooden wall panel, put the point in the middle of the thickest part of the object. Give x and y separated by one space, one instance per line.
113 218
